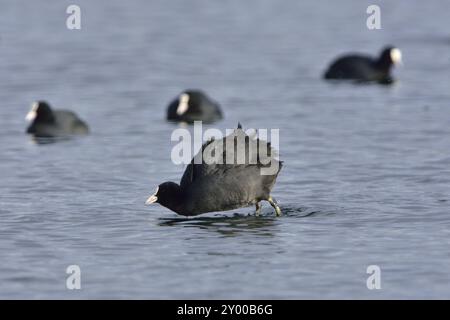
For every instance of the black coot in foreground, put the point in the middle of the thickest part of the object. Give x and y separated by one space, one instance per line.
216 185
193 105
48 123
365 68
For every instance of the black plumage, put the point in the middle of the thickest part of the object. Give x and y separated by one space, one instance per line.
215 184
49 123
365 68
193 105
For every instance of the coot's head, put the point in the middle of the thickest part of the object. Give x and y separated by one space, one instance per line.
40 112
167 194
390 56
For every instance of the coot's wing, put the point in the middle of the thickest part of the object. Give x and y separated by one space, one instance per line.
350 67
246 153
70 123
194 171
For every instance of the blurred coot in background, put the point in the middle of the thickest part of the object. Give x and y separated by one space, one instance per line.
193 105
46 122
366 68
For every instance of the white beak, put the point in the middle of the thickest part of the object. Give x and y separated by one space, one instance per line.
152 199
396 56
31 116
183 105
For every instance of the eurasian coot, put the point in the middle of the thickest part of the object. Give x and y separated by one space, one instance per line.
215 184
365 68
193 105
48 123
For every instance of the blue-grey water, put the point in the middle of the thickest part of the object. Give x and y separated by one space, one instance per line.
366 176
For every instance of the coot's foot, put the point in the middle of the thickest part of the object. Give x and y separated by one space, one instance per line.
258 208
273 203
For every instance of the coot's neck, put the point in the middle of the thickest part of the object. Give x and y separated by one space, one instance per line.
384 63
45 117
174 200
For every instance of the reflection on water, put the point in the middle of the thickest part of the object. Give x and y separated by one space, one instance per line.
228 226
49 140
302 212
233 225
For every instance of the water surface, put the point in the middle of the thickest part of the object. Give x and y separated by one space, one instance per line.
366 178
